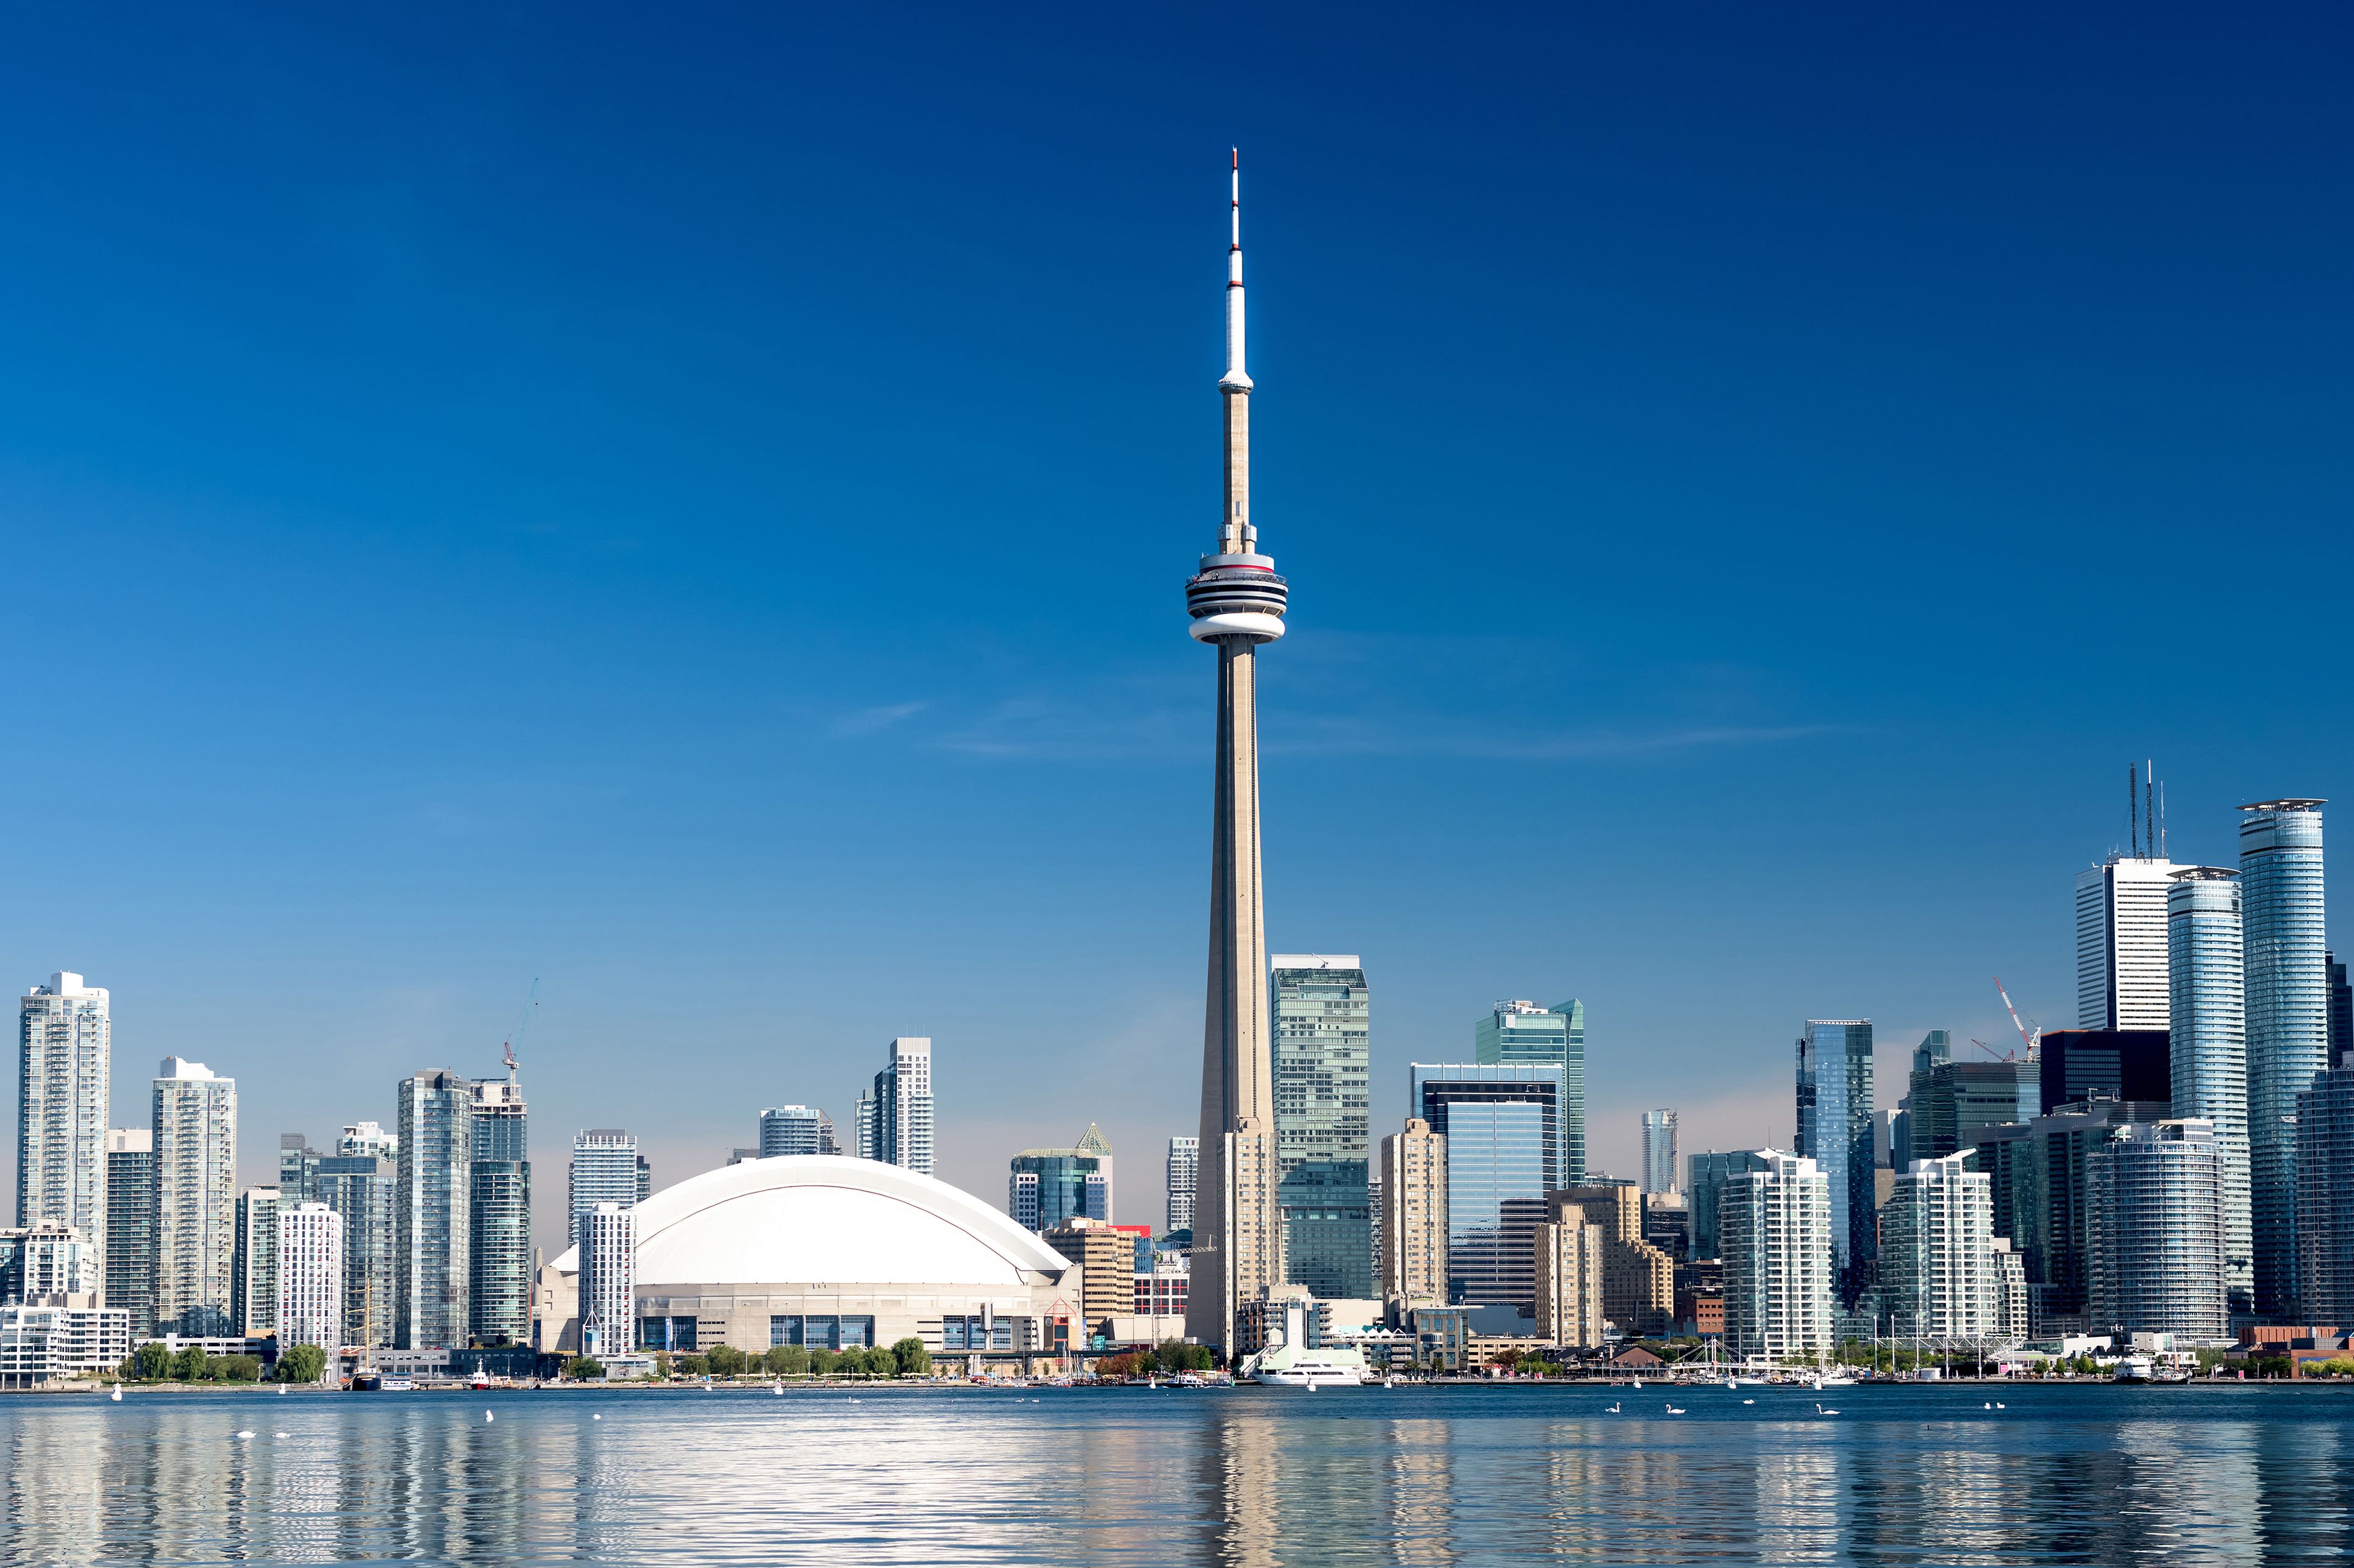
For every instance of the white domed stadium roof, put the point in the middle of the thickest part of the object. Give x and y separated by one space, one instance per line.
821 1219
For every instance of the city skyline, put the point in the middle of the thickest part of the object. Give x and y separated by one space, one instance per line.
423 694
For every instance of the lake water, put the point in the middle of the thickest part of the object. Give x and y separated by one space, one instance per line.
1454 1475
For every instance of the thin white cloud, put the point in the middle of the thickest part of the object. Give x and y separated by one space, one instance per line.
868 721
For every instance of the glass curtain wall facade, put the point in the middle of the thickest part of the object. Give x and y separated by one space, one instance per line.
498 1286
788 1129
432 1214
1520 1033
1659 1151
2285 970
2325 1177
1321 1010
605 1170
253 1272
2155 1225
1961 1100
1502 1124
1183 1174
130 1225
1834 1122
360 1188
1704 1180
2207 1068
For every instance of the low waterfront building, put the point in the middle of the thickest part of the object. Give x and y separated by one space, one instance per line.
46 1342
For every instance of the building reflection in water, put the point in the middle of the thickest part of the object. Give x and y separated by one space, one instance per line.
1226 1480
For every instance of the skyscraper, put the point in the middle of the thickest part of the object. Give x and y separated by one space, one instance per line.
1779 1236
1659 1151
2207 1053
433 1212
498 1228
2325 1175
1638 1290
1706 1176
608 1285
1516 1032
604 1171
361 1188
1321 1010
298 1163
62 1079
195 1131
1835 1104
1184 1170
895 1122
791 1129
1938 1278
1046 1189
2286 975
1960 1100
253 1267
1236 602
2080 1064
2155 1229
2341 1010
1502 1126
1413 1215
2121 979
309 1306
130 1225
1570 1280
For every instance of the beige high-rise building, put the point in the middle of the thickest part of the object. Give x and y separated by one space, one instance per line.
1413 1215
1569 1279
195 1198
1638 1280
1236 603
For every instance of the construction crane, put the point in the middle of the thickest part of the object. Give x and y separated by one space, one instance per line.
2034 1040
522 1025
1997 1055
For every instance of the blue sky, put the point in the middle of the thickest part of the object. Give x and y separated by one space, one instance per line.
693 508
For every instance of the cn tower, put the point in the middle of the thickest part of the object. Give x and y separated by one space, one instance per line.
1236 602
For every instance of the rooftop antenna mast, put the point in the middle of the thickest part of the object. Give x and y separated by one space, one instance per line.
2133 811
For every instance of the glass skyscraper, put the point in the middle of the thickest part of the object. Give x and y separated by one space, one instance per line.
1835 1115
2286 975
605 1169
1502 1123
1046 1189
1321 1012
360 1188
1522 1031
432 1212
1659 1151
2207 1068
1704 1185
130 1225
499 1277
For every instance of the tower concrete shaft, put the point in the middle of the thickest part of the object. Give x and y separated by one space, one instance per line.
1236 602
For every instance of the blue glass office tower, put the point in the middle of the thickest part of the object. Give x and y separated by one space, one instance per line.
1321 1010
1503 1127
2285 956
1835 1107
1523 1032
2207 1070
1704 1185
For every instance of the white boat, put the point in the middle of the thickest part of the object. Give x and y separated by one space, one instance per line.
1291 1363
2135 1369
399 1385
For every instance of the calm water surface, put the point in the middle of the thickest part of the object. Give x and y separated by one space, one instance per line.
1247 1476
